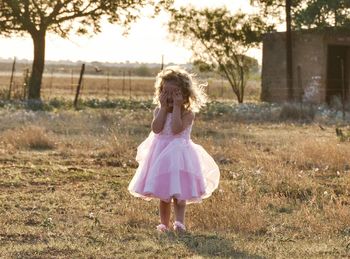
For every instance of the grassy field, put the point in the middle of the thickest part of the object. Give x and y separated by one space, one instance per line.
64 86
284 189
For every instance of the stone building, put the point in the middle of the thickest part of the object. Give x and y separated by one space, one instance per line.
321 66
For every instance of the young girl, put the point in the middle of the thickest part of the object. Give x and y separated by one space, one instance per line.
171 167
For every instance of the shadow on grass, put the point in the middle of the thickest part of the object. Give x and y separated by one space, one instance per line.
211 245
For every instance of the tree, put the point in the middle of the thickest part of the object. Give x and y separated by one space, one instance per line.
308 14
321 14
143 70
276 9
218 38
37 17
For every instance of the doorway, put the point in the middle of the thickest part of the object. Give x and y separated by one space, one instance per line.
338 73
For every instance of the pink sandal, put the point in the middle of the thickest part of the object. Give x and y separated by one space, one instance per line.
179 227
162 228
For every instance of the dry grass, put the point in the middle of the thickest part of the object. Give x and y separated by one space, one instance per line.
321 154
284 190
27 137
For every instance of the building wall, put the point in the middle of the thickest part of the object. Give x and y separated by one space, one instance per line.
309 61
308 68
348 73
274 68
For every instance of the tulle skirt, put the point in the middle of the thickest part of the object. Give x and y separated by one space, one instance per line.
173 167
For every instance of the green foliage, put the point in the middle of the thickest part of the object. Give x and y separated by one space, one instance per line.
220 40
143 70
65 104
118 103
57 103
58 15
35 105
276 9
295 111
202 66
307 14
323 13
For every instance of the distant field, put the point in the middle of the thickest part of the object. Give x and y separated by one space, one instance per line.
64 85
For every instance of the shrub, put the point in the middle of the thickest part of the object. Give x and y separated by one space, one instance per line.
28 137
297 111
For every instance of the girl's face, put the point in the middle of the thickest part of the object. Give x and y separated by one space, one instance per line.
170 87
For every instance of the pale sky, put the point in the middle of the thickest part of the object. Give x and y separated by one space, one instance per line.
147 41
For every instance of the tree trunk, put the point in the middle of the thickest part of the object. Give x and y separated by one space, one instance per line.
289 50
38 65
242 83
240 98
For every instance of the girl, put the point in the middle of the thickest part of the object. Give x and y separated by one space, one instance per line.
171 167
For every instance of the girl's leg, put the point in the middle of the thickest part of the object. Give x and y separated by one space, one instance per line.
179 208
164 210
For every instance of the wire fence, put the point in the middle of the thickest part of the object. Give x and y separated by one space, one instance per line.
63 85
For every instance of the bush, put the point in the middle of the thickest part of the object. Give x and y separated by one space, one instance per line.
28 137
297 111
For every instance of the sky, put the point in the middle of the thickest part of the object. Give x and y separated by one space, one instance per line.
146 42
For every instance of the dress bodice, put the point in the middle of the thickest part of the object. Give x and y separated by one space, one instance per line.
167 132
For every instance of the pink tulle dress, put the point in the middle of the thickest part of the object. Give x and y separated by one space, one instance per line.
172 166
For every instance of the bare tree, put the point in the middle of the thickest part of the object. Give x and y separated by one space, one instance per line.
220 39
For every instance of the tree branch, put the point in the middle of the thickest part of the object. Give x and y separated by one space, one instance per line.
39 11
22 18
77 15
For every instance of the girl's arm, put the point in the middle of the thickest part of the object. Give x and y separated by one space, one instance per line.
159 117
159 114
180 123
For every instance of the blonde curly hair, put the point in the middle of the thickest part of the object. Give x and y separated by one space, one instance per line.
193 93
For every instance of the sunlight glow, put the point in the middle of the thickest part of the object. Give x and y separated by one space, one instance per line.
146 42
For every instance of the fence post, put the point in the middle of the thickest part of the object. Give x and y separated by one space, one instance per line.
51 82
71 81
129 84
162 66
11 80
79 84
208 89
25 83
222 87
108 84
123 83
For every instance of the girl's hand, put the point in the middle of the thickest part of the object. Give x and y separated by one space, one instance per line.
163 100
177 98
